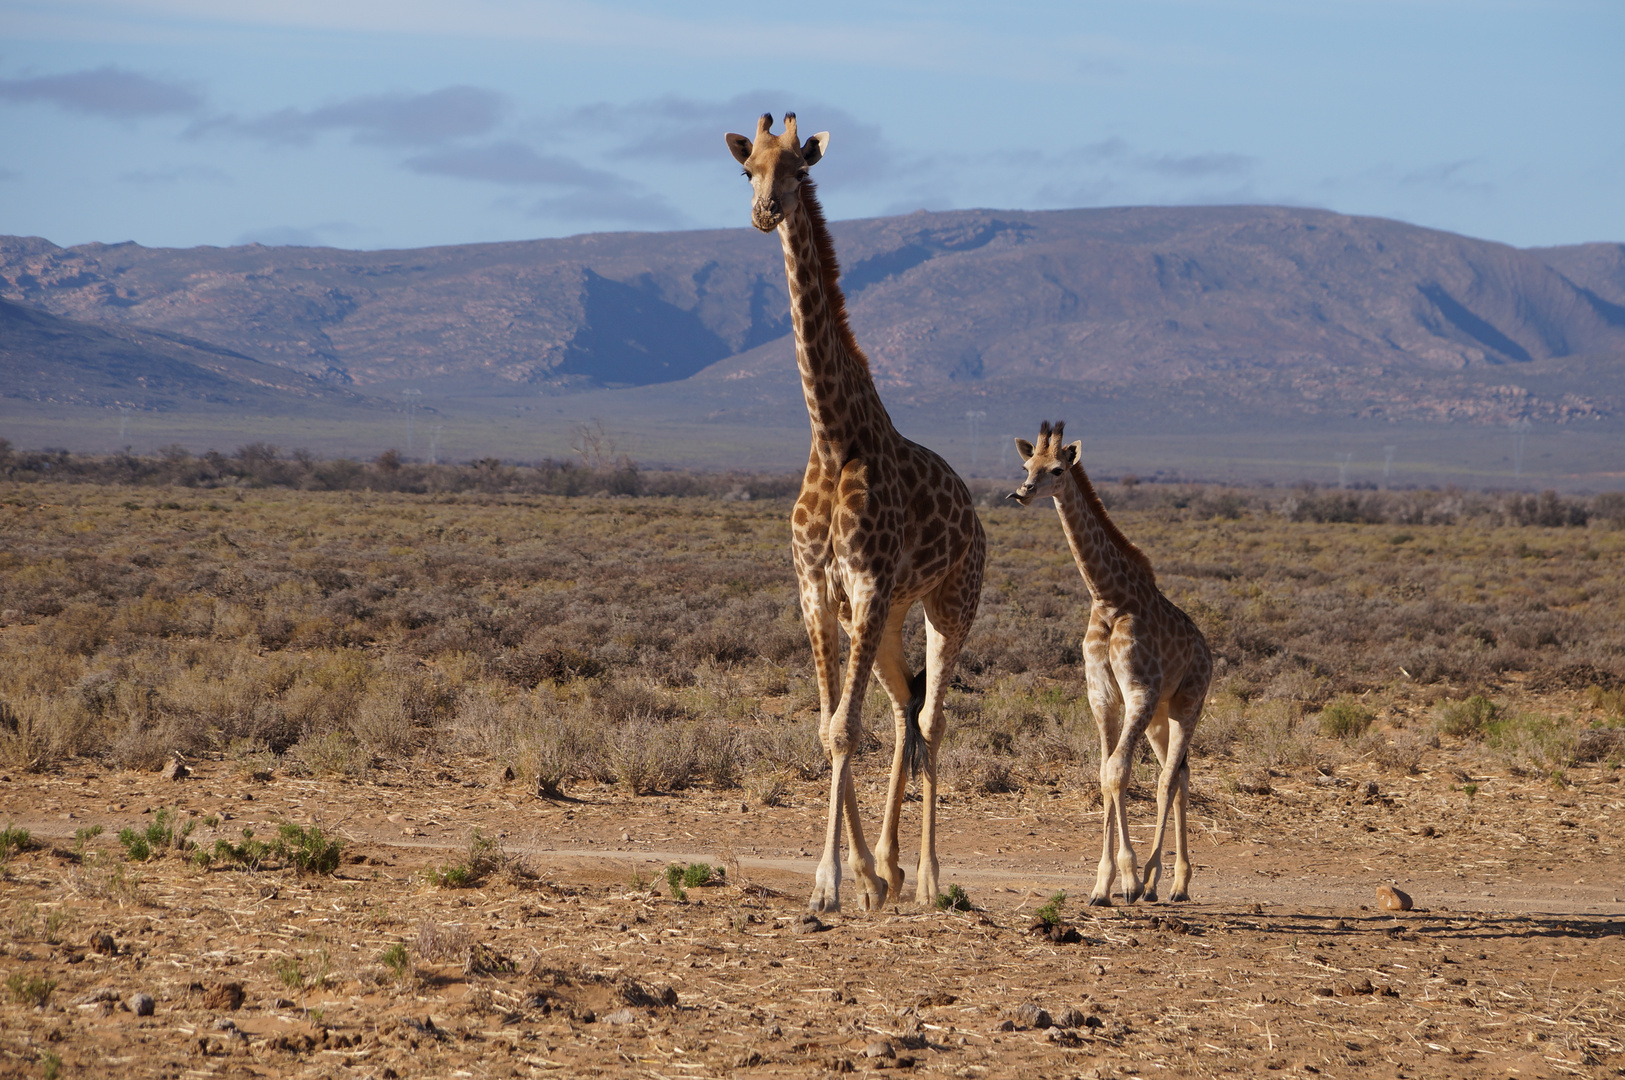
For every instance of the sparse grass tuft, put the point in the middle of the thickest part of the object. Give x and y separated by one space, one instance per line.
307 850
13 841
1050 913
28 989
954 899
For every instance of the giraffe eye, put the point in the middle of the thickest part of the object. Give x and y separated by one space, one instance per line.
1055 471
801 174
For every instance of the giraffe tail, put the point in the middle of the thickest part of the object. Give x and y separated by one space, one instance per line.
914 748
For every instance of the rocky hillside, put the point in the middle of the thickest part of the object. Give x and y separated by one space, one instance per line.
1293 310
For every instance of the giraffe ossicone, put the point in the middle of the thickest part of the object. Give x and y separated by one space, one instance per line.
1146 664
881 524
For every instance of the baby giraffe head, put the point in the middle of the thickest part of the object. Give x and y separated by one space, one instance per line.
776 166
1046 463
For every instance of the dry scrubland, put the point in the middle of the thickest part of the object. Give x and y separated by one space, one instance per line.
467 724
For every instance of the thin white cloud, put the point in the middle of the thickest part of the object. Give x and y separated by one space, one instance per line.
294 236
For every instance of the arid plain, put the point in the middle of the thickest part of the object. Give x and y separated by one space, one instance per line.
443 746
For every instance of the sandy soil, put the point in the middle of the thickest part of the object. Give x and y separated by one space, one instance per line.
560 964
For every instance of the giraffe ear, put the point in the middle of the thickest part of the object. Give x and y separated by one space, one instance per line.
812 152
1071 453
740 146
1024 448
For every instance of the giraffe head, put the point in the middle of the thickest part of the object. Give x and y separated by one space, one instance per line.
776 166
1046 463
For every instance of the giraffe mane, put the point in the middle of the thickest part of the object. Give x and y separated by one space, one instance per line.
1091 498
831 270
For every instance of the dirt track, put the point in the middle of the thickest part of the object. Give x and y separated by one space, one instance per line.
1514 964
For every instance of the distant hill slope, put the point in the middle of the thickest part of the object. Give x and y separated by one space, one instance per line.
49 359
1290 311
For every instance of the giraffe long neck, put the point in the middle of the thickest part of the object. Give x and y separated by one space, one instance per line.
842 401
1115 571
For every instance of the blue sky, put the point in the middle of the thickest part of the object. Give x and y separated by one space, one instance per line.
402 123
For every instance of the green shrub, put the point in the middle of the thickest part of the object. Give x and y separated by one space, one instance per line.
159 836
955 899
308 851
13 841
1346 719
31 990
1050 913
396 960
1468 719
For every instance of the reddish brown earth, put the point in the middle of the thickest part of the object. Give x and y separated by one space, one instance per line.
1512 964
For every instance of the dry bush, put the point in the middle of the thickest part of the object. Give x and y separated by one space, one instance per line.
977 772
343 631
647 755
791 745
1345 718
1402 753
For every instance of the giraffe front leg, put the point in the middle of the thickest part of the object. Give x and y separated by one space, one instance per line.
891 669
1101 895
871 889
1114 787
826 894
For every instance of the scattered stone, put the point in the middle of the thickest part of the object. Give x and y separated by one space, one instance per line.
1005 1025
748 1059
143 1005
620 1016
1385 990
938 998
1429 830
1070 1018
96 997
1323 991
1031 1016
807 923
1097 969
1354 989
880 1048
633 993
1255 783
227 996
103 944
1393 899
175 769
1065 1037
269 892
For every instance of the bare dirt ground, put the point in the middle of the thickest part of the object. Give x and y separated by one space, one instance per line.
565 962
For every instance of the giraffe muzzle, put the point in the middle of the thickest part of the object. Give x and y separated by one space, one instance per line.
766 214
1022 495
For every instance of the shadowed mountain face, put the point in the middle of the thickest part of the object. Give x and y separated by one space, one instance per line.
1295 312
48 359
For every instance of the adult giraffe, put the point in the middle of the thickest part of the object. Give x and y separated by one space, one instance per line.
881 523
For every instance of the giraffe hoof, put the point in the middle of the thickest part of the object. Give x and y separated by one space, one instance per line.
1180 898
1100 901
1150 896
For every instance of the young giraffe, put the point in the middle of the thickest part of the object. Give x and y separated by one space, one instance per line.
881 523
1145 662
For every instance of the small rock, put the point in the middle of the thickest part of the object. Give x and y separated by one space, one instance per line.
1005 1025
1393 899
1069 1018
620 1016
1065 1037
880 1048
143 1005
1429 830
1031 1016
175 769
1323 991
748 1059
1097 969
936 998
807 923
1370 790
102 943
269 892
227 996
